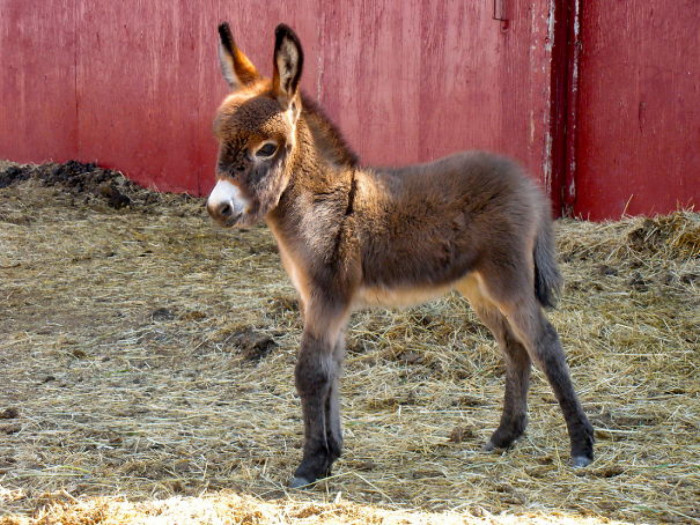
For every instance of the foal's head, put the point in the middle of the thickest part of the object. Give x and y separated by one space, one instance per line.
256 129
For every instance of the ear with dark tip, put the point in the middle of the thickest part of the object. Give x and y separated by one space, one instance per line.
237 69
288 64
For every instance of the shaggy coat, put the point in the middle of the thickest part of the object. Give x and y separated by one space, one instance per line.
351 237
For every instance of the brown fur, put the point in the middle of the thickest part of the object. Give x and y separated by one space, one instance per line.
351 237
327 137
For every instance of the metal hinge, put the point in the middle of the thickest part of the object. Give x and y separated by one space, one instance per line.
500 12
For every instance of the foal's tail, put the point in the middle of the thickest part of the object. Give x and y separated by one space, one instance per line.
548 280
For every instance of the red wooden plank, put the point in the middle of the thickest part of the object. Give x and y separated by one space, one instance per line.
462 50
638 112
38 113
525 87
369 80
563 88
136 72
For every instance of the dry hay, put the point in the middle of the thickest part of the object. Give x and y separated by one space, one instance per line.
147 362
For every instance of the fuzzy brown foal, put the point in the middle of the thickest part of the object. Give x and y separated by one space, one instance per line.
353 237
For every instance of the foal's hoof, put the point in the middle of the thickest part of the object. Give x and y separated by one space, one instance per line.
298 482
489 446
581 461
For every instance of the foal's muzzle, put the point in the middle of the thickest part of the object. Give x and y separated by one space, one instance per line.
226 204
224 214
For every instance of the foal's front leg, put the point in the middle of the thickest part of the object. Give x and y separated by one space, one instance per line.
317 377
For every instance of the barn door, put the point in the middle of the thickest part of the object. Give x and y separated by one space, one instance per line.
635 147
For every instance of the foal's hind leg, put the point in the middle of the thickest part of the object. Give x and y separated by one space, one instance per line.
516 301
517 361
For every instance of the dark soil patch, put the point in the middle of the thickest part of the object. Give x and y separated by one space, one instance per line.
9 413
254 346
93 184
12 175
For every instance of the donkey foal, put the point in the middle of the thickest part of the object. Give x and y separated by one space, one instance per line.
353 237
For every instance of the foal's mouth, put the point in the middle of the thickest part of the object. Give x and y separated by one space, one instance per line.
229 222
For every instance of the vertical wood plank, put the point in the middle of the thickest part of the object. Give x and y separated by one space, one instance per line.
461 100
638 111
137 109
38 113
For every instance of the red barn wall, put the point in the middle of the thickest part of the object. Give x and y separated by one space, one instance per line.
134 85
638 108
38 109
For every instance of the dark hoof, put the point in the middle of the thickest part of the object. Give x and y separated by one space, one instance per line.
581 461
489 447
298 482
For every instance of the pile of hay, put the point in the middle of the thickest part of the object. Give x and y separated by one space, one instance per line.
147 366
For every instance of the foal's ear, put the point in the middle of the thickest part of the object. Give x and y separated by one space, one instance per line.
288 64
238 70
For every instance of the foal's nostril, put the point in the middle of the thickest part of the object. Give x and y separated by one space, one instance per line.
225 210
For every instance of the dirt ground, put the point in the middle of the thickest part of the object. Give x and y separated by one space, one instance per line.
146 376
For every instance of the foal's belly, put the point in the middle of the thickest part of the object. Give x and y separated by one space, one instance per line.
398 297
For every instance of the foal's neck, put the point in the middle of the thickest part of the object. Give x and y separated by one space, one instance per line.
311 173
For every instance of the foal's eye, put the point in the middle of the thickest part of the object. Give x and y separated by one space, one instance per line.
267 150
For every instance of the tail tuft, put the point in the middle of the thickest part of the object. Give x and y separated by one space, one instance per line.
548 280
